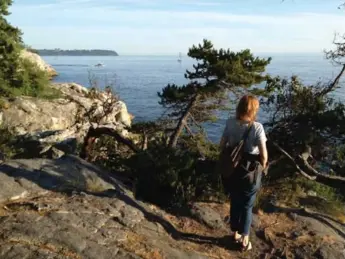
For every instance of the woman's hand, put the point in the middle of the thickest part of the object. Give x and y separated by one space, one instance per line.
222 143
263 154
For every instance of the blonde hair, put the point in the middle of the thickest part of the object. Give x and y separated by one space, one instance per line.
247 108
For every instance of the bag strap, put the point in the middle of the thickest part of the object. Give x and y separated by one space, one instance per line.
246 133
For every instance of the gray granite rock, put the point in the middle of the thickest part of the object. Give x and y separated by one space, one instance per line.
101 219
38 221
207 216
46 127
91 227
37 175
330 252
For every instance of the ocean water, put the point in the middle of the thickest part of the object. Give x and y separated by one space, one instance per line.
137 79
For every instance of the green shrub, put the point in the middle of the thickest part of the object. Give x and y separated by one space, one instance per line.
30 81
162 175
108 153
166 181
170 177
327 200
7 143
297 192
33 81
324 191
3 103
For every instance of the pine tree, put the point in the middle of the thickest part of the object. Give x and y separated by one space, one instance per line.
216 74
10 45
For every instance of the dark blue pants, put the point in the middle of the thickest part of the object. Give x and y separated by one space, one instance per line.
242 196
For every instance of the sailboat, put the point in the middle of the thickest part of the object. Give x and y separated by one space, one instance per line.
179 58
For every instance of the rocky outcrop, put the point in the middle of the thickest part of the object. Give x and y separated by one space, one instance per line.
68 208
99 219
30 115
39 62
66 119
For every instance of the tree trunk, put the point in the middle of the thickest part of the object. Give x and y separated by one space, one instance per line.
182 122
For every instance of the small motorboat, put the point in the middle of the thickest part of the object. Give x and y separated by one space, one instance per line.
99 65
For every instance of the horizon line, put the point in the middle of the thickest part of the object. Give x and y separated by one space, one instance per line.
185 54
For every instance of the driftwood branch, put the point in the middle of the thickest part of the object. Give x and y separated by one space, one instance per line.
294 162
225 84
145 142
94 133
189 130
276 161
330 180
195 122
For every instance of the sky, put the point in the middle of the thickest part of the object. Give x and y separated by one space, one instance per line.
133 27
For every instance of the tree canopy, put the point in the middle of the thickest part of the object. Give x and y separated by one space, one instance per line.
216 74
17 76
10 44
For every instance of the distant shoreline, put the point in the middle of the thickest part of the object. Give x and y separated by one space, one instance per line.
76 52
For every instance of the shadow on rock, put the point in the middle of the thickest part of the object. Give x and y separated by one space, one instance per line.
70 173
224 242
63 175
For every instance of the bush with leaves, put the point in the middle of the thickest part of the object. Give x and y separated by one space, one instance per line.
10 45
306 124
173 177
306 114
162 175
17 76
8 144
108 153
302 114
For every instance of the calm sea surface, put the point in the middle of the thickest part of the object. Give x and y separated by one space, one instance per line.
137 79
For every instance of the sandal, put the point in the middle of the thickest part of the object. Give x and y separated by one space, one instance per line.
247 248
237 240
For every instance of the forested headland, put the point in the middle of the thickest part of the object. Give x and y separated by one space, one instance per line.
75 52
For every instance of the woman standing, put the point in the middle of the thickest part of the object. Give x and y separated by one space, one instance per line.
246 179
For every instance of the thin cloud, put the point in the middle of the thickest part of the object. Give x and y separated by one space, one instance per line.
149 29
133 4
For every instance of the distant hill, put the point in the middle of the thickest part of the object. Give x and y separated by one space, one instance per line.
75 52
